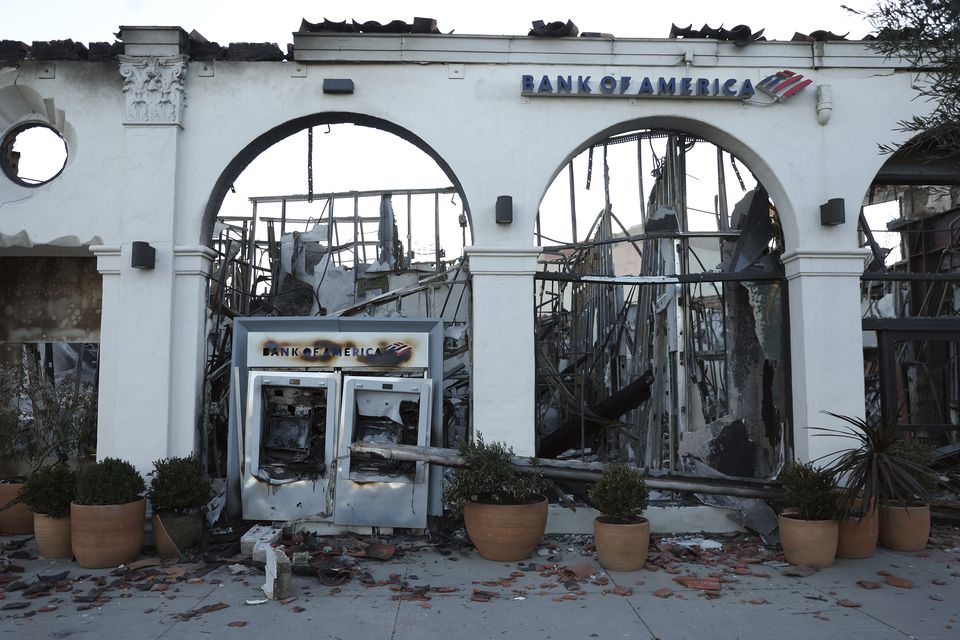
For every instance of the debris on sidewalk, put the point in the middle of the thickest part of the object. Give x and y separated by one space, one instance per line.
278 575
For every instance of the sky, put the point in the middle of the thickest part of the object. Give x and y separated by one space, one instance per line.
386 162
275 20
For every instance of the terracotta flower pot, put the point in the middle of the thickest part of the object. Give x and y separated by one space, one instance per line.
858 536
107 535
175 533
809 542
17 520
506 532
621 547
53 536
904 528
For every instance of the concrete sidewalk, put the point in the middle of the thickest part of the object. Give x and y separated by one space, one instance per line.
423 593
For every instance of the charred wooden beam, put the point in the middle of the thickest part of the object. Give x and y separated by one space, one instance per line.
576 471
568 435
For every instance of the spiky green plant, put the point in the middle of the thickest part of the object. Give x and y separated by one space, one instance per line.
873 466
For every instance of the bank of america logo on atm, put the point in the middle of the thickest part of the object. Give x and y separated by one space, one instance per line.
400 350
783 84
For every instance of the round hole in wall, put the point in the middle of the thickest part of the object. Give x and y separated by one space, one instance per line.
32 154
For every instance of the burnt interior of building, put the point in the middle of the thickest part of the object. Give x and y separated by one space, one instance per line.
661 319
911 299
660 329
294 433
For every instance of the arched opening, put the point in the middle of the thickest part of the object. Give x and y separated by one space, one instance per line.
336 216
910 295
661 310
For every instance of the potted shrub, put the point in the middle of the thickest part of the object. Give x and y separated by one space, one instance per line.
48 492
107 515
39 421
503 511
877 470
621 533
808 526
178 489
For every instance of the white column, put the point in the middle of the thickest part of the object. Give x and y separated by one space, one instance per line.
503 345
187 355
152 324
108 264
826 344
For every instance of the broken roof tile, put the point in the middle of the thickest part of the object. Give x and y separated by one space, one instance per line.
58 50
558 29
100 51
819 35
254 52
741 35
419 25
12 51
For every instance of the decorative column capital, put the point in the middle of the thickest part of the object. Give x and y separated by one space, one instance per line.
153 89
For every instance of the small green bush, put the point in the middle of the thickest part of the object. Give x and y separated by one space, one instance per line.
50 490
621 493
178 485
489 477
110 481
811 490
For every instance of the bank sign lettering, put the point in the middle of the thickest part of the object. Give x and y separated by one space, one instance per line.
337 349
643 86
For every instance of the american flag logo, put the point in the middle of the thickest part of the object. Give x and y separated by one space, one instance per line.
783 84
400 350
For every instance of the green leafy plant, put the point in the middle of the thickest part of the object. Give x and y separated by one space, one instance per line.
489 476
874 466
811 490
50 490
110 481
178 485
40 420
621 493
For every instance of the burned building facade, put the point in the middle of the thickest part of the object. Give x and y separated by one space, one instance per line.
719 338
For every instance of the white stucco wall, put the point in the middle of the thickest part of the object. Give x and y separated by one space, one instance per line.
460 95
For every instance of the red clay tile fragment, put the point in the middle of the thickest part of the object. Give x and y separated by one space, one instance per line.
938 582
695 582
620 590
237 623
297 609
756 601
482 596
848 603
582 570
900 583
663 592
798 571
867 584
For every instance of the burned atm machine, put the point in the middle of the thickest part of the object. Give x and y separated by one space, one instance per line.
303 390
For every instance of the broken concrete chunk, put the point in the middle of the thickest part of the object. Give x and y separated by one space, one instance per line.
279 574
259 533
260 551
